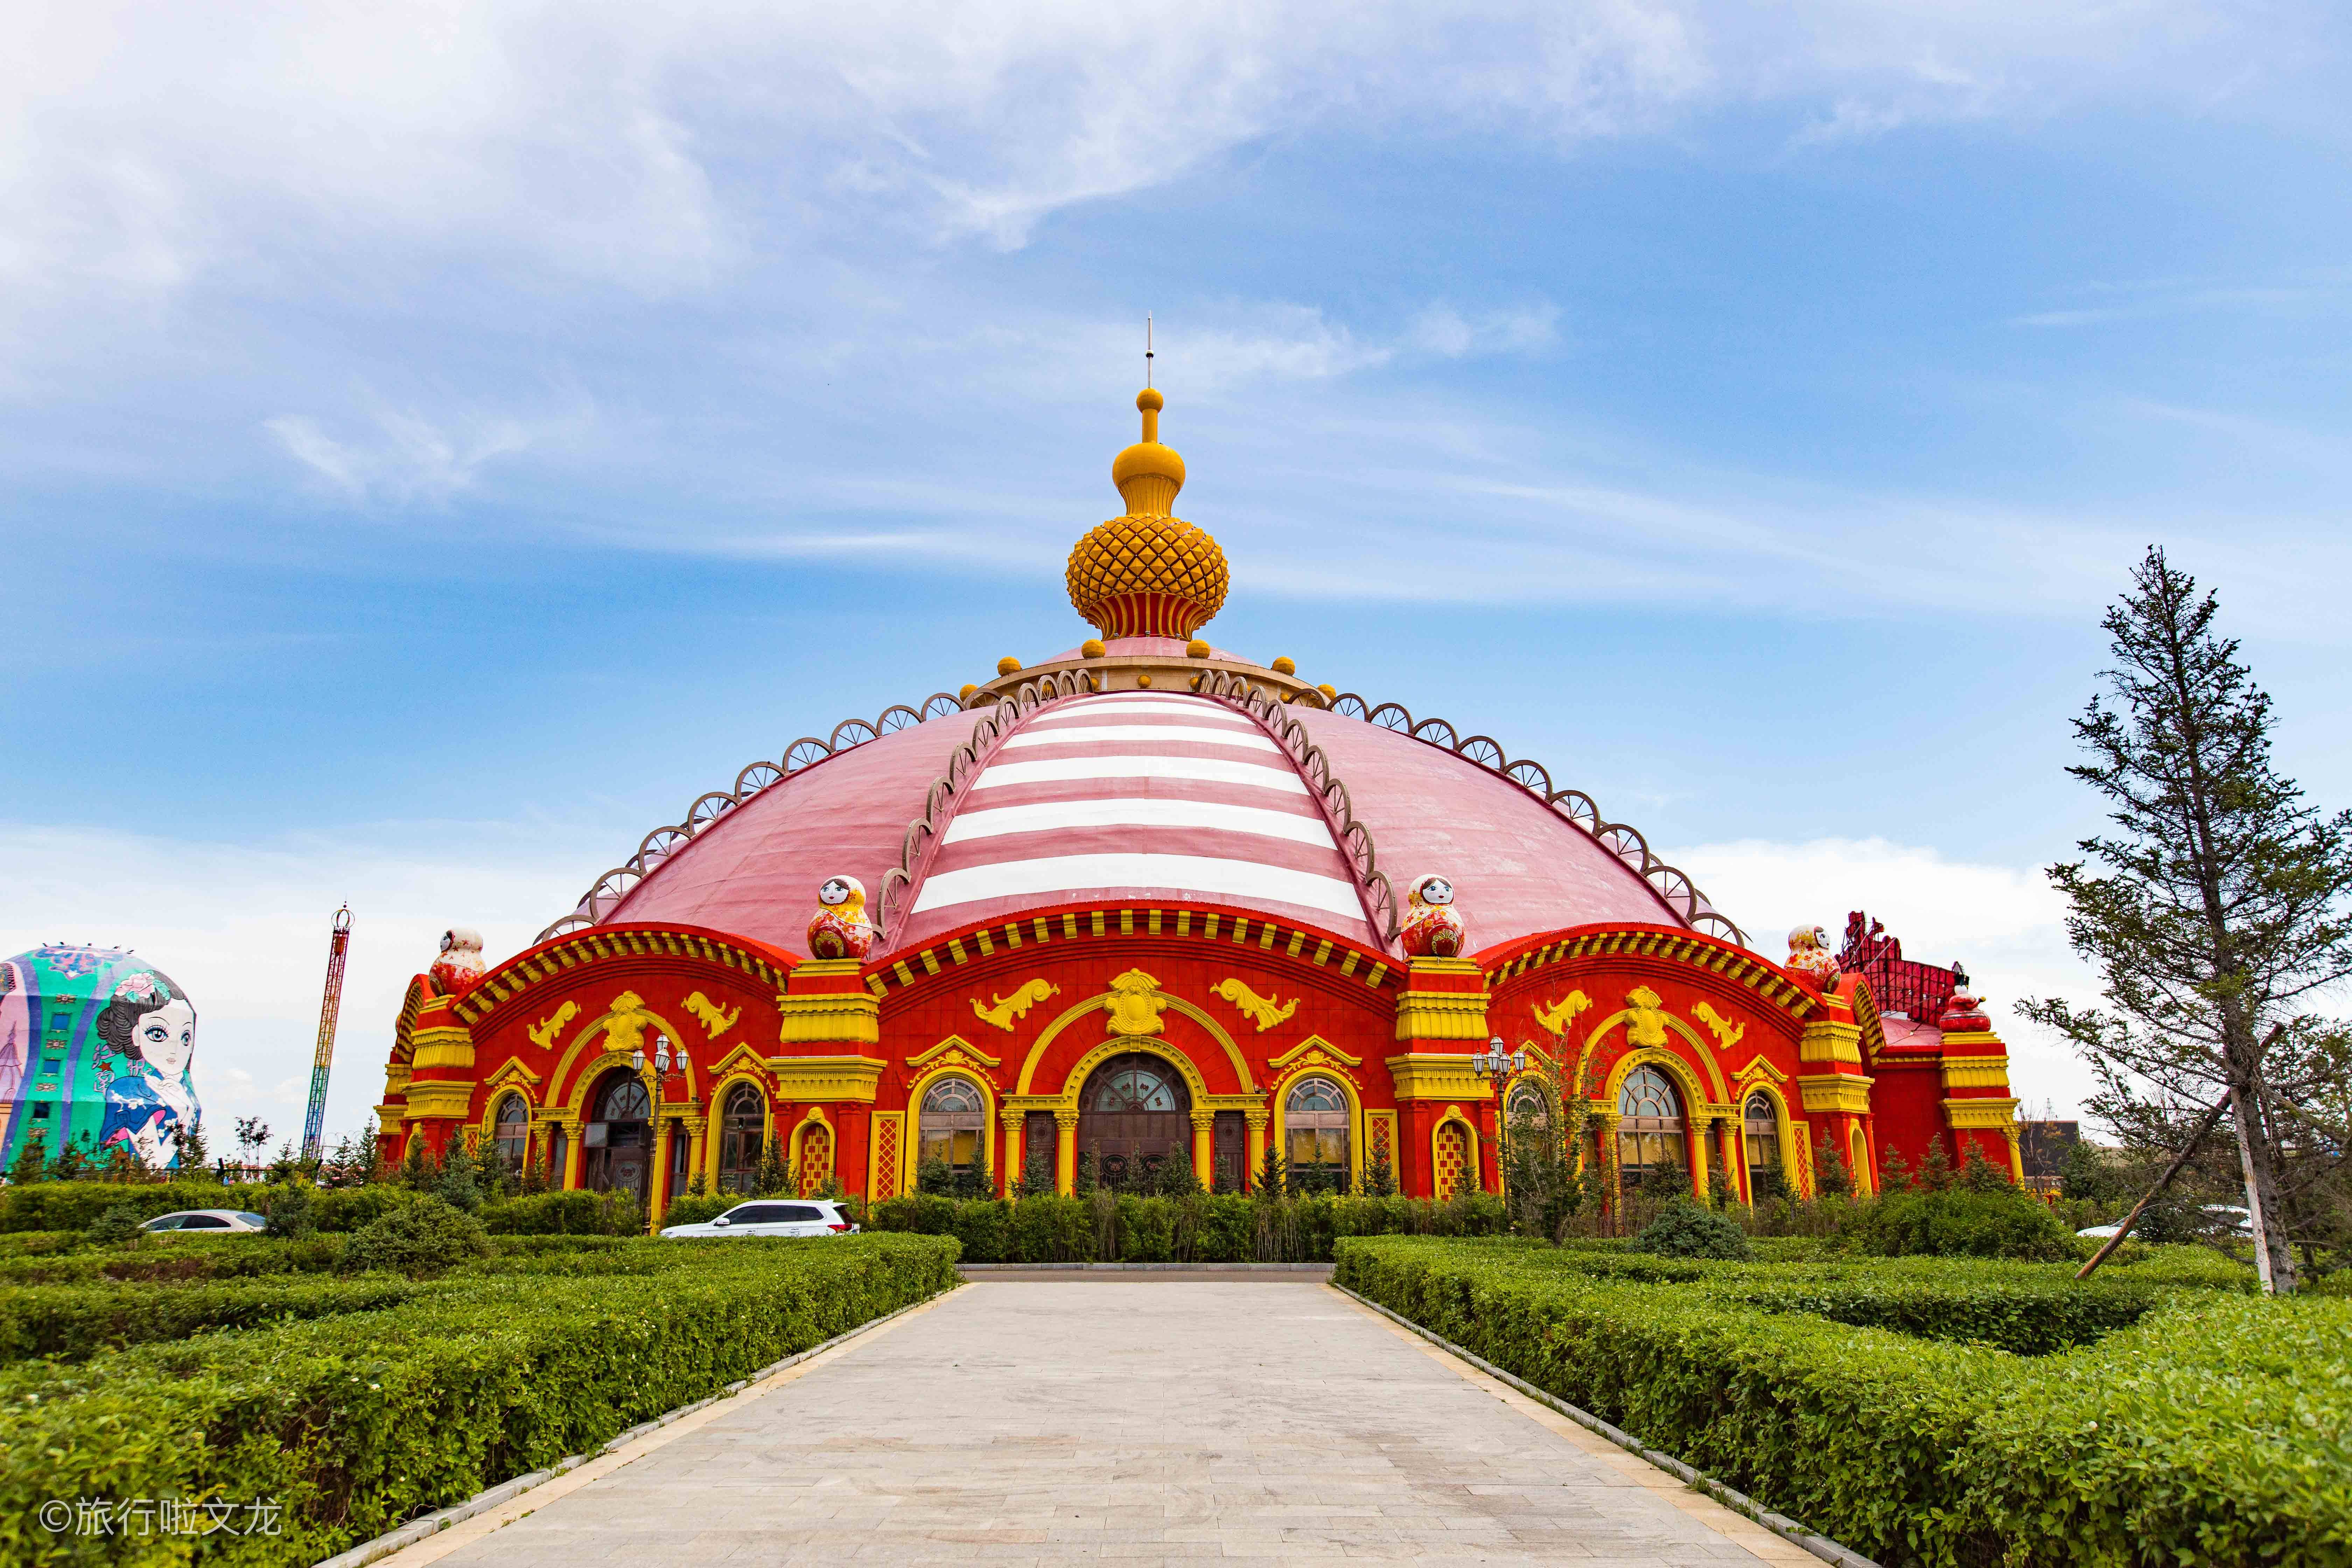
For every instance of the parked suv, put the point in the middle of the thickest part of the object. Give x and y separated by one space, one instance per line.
774 1216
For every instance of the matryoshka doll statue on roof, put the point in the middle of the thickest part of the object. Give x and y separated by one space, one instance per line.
1432 926
458 969
1810 959
840 929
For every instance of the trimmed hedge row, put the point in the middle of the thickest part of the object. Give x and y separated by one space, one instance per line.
2211 1431
358 1421
73 1321
1221 1228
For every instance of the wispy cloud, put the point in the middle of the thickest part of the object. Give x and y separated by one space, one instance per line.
406 455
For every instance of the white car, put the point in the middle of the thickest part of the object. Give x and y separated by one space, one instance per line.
244 1222
773 1216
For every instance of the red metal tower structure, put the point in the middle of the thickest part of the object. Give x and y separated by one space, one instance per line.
331 1007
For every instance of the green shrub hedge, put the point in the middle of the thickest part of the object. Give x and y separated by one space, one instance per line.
357 1422
1201 1229
574 1212
2210 1430
73 1321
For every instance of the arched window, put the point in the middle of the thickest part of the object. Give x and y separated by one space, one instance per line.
1526 1107
615 1147
1761 1122
742 1138
1650 1128
1314 1134
954 1124
511 1129
1134 1084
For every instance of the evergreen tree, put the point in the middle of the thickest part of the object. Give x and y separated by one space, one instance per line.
2213 912
774 1176
1273 1175
1036 1174
419 1172
1176 1178
72 1163
1979 1174
1894 1174
1935 1168
459 1183
1831 1177
934 1176
32 1155
193 1155
1379 1176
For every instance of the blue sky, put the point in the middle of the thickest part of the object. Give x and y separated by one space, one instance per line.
437 447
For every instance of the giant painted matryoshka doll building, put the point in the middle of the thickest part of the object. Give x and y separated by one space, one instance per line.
1147 897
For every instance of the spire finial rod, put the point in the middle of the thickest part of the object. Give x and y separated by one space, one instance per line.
1146 348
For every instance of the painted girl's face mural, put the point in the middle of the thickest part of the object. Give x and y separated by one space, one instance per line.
166 1039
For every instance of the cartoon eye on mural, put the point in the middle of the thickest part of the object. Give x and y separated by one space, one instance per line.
97 1050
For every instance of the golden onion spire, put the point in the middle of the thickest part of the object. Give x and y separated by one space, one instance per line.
1148 573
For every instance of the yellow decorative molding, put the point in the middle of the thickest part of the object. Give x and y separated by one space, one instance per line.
851 1015
742 1059
713 1017
1446 1014
826 1077
1260 1010
1976 1072
1010 1008
1973 1042
1562 1012
446 1046
1726 1033
1827 1040
955 1044
1134 1004
2001 1114
513 1072
1758 1066
544 1033
1313 1043
1836 1091
1435 1075
437 1100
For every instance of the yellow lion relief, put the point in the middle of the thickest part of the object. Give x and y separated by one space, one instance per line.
1645 1021
1008 1008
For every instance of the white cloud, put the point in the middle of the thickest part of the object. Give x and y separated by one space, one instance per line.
244 930
2004 923
411 457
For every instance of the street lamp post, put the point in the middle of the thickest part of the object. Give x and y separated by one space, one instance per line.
1498 1066
654 1071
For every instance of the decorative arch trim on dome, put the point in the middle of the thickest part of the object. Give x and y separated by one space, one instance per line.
605 893
551 959
1184 923
1673 887
1717 957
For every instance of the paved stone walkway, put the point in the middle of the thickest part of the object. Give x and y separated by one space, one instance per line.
1134 1423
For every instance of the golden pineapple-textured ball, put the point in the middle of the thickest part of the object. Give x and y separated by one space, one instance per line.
1091 649
1197 648
1285 666
1008 665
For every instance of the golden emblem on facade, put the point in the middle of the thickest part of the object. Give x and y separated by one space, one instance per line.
544 1033
1134 1004
1645 1019
624 1031
1008 1008
1562 1012
1262 1010
714 1018
1726 1033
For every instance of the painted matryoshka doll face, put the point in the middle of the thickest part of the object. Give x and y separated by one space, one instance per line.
834 893
167 1039
1436 890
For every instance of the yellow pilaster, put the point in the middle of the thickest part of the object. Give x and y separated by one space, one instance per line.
1256 1118
1204 1130
1065 1150
1011 1140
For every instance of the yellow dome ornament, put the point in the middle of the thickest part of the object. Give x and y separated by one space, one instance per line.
1148 573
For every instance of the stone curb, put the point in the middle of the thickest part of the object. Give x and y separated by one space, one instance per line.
1318 1270
1780 1524
432 1524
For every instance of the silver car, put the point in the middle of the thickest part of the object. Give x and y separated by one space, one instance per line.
773 1216
220 1221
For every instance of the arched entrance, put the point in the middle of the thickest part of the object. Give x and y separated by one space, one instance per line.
1134 1108
614 1146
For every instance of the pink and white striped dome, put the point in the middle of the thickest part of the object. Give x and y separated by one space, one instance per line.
1139 797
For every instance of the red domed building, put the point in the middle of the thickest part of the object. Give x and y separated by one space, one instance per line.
1148 896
